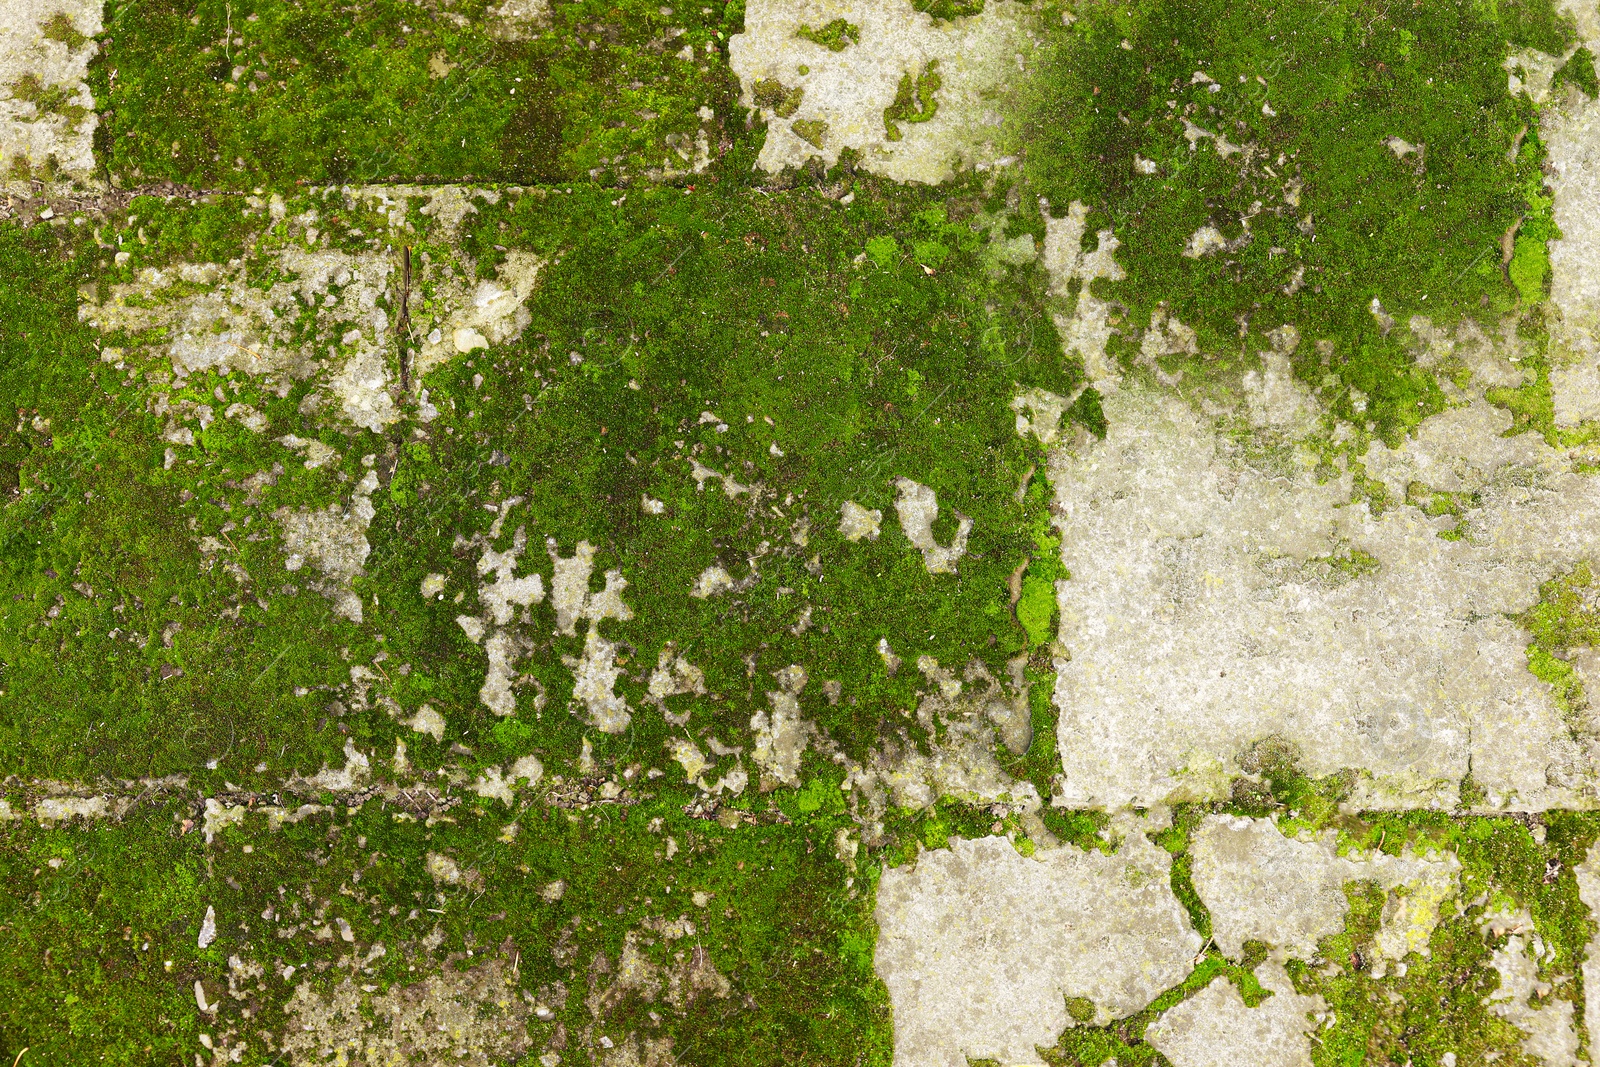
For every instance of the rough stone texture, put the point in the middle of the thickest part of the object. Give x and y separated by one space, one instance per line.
979 58
1086 328
474 1016
917 507
594 685
1571 134
1039 412
323 303
491 314
1289 892
856 522
1205 613
1215 1028
334 540
31 137
965 721
1588 875
1549 1033
980 947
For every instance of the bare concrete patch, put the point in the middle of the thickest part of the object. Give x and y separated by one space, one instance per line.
950 81
1040 412
1204 242
1588 875
917 507
1275 398
781 733
571 596
52 810
674 676
327 314
517 20
1289 892
356 771
981 948
595 675
1463 450
1215 1028
492 312
712 581
1086 328
43 54
334 540
428 721
966 720
473 1016
857 522
1214 603
1548 1031
1571 133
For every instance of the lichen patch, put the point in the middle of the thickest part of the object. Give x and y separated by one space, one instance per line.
1085 328
1547 1027
333 540
1571 133
917 507
857 522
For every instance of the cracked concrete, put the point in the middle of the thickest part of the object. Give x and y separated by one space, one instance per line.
1215 1028
980 947
1289 891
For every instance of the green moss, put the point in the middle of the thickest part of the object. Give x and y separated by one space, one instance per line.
309 93
1568 613
783 101
1319 215
105 955
1439 1003
914 100
1579 72
825 350
836 36
1566 617
1186 819
1348 565
49 99
1530 268
1123 1040
59 27
1037 608
837 348
811 131
949 9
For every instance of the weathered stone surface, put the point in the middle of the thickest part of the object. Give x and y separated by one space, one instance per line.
47 114
1289 892
844 94
473 1015
981 947
1214 603
1588 875
1573 141
1215 1028
1549 1034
